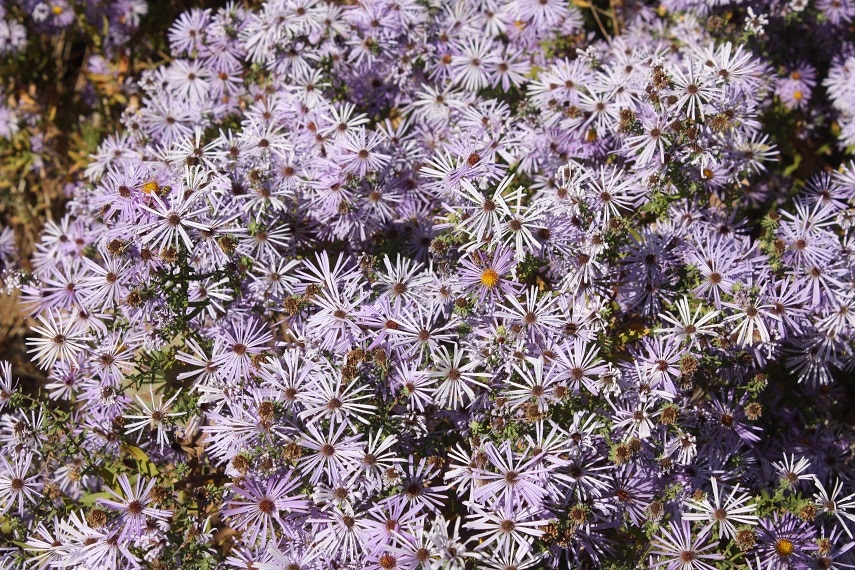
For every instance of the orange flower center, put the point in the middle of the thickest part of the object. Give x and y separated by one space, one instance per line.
784 547
489 278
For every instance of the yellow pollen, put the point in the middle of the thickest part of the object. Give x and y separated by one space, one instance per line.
797 95
150 187
489 278
784 547
57 10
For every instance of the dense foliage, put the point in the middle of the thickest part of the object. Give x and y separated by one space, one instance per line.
451 284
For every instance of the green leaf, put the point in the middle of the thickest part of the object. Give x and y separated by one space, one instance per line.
89 500
145 465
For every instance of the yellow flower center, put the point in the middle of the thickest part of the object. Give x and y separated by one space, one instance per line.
150 187
784 547
797 95
489 278
57 10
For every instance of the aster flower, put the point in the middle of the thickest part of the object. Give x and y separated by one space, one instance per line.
61 338
729 422
651 143
678 549
360 156
134 506
686 326
334 325
404 280
631 493
484 273
390 525
519 224
517 479
378 458
784 541
532 386
327 399
101 547
694 89
333 451
154 417
791 471
580 365
453 553
340 535
795 88
749 316
416 485
457 381
507 527
240 342
835 504
416 385
63 288
831 548
258 508
189 79
722 512
633 417
16 488
7 384
172 218
469 66
187 33
42 543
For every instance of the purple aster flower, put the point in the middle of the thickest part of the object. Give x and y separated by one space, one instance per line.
16 488
631 493
334 453
257 509
507 528
784 541
417 487
326 398
485 273
154 415
516 480
61 338
791 471
580 365
457 381
87 546
835 504
723 512
134 506
7 384
531 385
687 326
171 220
240 342
678 549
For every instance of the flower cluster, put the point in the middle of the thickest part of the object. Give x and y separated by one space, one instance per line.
21 19
397 284
63 71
